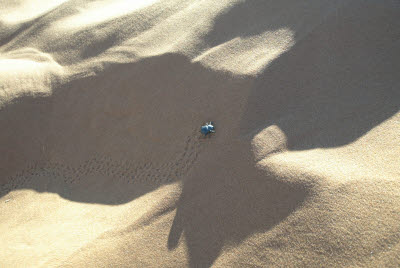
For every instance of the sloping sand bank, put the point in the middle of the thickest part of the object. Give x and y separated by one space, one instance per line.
102 163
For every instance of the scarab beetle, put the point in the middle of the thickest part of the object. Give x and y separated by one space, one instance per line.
207 128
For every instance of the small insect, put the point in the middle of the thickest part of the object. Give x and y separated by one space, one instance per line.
207 128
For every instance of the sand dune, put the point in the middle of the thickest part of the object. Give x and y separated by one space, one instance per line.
103 165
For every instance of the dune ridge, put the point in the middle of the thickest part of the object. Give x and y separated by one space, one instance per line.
103 165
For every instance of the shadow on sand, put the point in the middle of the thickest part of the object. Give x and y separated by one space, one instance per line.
109 127
227 202
321 94
333 86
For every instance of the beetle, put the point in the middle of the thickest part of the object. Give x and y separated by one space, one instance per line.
207 128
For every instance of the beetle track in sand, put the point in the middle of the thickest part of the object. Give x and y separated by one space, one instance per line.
120 171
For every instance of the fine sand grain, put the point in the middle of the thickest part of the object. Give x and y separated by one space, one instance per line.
102 163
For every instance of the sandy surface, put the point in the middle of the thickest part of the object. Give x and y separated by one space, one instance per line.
102 163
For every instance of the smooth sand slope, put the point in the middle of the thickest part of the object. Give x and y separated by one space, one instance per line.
102 163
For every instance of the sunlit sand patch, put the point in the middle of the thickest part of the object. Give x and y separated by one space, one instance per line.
176 33
248 55
101 11
350 162
21 11
268 141
26 71
69 223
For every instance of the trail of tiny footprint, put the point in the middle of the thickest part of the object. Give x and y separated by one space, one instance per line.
122 171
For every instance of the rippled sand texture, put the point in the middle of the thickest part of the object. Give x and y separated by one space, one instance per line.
102 163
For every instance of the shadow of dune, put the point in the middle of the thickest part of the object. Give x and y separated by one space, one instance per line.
252 18
333 86
227 202
117 128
